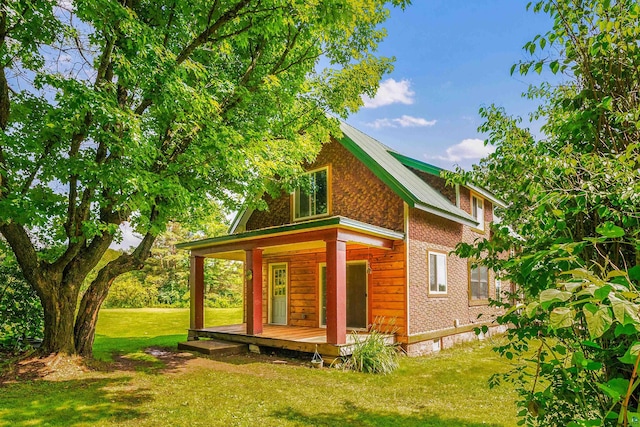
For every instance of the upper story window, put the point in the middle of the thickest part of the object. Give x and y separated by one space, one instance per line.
312 198
477 210
437 273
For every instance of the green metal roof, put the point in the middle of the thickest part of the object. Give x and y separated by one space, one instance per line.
385 164
435 170
417 164
392 168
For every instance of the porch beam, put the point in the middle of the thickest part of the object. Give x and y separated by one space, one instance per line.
196 292
336 291
307 236
365 239
253 280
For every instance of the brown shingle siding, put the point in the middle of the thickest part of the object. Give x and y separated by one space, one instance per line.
438 184
356 193
278 213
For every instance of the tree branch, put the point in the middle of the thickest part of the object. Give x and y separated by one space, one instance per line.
203 37
4 85
25 253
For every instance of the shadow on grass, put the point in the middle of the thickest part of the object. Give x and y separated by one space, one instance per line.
353 415
105 347
153 355
72 402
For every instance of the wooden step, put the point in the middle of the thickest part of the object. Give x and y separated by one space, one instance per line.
214 347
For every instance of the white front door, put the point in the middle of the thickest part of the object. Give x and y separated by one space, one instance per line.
278 285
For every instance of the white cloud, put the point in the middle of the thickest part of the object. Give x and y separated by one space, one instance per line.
403 122
390 92
409 121
467 149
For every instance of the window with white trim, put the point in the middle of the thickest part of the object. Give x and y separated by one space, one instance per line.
498 289
479 283
312 198
477 210
437 273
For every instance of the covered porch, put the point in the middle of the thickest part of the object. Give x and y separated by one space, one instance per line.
330 238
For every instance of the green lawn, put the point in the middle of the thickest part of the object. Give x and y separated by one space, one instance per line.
447 389
123 330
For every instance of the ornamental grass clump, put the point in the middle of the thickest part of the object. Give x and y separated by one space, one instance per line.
372 353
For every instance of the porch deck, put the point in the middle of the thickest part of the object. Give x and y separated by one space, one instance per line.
295 338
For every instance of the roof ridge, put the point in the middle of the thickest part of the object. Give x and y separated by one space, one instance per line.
391 150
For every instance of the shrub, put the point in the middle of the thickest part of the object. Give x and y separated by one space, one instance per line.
128 292
372 353
21 314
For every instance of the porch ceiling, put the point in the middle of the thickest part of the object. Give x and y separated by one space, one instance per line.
291 237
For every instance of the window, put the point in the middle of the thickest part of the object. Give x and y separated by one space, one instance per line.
437 273
479 283
477 211
498 289
312 198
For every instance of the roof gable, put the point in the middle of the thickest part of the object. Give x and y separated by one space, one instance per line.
393 169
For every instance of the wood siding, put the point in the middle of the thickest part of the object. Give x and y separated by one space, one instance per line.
386 285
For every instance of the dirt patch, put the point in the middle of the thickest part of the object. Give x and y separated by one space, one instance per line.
54 367
155 360
235 363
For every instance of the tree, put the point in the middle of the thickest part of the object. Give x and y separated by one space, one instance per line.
147 111
569 238
165 277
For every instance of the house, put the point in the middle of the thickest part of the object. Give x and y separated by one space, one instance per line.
370 237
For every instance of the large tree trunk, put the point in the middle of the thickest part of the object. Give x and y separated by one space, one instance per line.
85 327
59 313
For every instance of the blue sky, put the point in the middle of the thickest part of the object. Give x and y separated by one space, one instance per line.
452 57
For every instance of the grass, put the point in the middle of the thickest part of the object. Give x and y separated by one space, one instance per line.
447 389
124 331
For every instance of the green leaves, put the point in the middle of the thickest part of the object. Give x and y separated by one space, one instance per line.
631 354
549 296
573 199
561 317
610 230
625 312
599 319
615 388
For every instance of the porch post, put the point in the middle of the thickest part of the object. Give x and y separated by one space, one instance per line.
196 290
253 280
336 292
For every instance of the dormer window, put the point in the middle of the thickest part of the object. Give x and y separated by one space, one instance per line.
311 199
477 210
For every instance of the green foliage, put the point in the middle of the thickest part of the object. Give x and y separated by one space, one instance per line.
164 280
128 292
570 237
371 353
21 316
